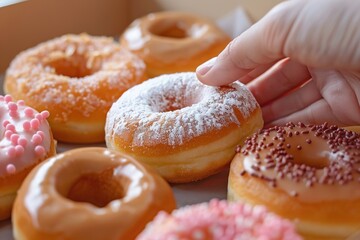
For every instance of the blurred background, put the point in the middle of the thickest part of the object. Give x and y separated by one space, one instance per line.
24 24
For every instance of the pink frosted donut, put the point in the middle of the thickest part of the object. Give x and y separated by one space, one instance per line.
26 139
219 220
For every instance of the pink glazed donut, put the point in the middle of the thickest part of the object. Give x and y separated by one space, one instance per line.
219 220
26 140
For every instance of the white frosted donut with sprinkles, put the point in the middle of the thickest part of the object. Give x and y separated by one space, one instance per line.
219 220
185 129
26 140
306 173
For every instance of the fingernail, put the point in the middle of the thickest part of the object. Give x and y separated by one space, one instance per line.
205 67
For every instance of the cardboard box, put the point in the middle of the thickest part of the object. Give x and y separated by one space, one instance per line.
25 24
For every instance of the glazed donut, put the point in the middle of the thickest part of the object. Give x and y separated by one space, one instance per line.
219 220
307 173
182 128
170 42
89 193
353 128
76 78
26 140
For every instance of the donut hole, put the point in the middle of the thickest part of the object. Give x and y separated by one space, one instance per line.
98 189
308 154
170 30
173 103
74 67
318 163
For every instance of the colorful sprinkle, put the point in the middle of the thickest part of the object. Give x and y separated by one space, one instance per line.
10 127
12 106
45 114
40 151
19 150
29 112
26 126
7 98
5 123
36 139
14 138
35 123
22 141
8 134
10 168
21 103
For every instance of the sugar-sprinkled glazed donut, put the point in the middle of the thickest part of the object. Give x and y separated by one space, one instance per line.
89 193
185 129
170 42
26 140
306 173
76 78
219 220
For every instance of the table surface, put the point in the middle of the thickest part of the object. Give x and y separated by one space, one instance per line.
185 194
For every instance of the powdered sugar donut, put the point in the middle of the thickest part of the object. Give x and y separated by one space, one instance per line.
185 129
26 140
219 220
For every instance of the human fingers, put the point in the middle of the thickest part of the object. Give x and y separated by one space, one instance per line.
283 77
342 92
259 45
316 113
318 33
291 103
250 76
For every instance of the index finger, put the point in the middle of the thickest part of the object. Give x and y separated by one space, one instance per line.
258 46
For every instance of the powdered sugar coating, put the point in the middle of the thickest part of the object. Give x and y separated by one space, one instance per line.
174 108
219 220
20 140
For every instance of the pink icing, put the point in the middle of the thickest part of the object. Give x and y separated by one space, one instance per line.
219 220
25 135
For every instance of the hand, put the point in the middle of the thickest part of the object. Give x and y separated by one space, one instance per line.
301 62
